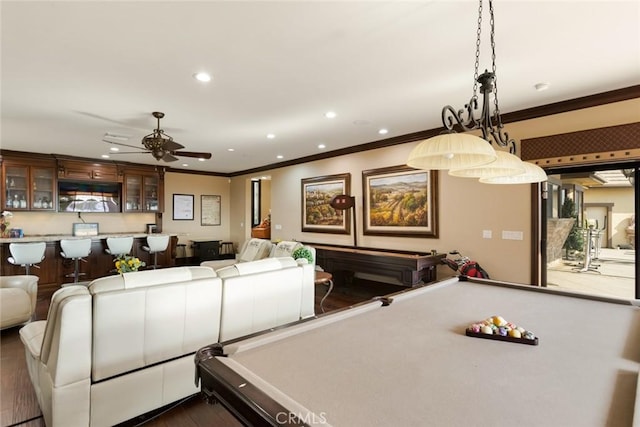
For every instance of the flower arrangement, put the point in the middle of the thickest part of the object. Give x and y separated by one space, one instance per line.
126 263
5 221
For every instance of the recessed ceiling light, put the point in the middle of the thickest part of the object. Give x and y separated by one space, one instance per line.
541 86
202 77
321 146
185 164
105 156
114 149
330 114
231 149
271 135
383 131
279 156
200 159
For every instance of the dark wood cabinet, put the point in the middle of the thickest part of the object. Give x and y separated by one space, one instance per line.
88 171
143 190
28 185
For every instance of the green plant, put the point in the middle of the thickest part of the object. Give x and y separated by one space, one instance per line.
303 253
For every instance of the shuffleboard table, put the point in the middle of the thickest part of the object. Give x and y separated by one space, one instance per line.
406 360
407 268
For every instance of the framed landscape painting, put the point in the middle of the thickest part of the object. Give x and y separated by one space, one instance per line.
400 201
317 214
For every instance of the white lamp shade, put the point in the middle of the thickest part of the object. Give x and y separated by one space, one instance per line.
533 173
505 165
451 151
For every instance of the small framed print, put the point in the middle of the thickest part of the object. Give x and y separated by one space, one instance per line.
183 207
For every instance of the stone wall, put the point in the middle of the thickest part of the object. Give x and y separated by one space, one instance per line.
557 231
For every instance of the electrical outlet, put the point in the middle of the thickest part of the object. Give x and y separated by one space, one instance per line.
486 234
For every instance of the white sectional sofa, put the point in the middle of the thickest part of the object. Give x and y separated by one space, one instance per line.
124 345
255 249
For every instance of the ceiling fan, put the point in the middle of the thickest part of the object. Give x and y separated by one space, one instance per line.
159 144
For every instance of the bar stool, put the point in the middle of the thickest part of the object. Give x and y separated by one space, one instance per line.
26 254
156 244
75 249
118 246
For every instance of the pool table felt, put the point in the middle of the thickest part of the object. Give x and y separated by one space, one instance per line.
411 362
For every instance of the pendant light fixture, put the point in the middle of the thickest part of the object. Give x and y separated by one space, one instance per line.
466 155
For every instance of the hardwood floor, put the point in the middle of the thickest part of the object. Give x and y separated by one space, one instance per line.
19 407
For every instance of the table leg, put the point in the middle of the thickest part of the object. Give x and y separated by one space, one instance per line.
326 295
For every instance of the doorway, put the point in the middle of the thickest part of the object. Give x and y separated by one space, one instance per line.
590 230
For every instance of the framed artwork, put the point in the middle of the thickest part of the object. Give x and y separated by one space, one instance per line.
183 207
210 210
400 201
317 214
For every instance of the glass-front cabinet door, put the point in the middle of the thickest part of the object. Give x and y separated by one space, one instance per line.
29 187
151 192
143 191
16 187
133 193
43 188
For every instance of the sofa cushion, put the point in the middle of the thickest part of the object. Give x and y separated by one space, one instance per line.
285 248
255 249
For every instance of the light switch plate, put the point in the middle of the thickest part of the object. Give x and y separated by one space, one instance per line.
512 235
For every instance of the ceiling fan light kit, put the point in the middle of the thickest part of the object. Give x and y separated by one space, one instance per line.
459 152
160 145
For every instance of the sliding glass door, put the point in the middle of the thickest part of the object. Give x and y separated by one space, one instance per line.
589 224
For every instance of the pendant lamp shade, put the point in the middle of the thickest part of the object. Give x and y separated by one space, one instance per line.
451 151
505 165
533 173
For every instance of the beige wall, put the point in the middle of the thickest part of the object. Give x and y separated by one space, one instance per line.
621 211
466 207
61 223
178 183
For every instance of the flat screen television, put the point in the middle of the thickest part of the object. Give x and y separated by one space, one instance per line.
75 196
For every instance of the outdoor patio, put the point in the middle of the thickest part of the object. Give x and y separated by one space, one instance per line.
612 274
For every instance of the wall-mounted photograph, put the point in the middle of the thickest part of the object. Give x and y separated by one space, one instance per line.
400 201
317 214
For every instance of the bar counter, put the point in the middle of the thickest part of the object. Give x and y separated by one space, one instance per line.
54 268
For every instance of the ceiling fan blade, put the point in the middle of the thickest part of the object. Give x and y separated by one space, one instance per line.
168 157
171 145
124 145
192 154
129 152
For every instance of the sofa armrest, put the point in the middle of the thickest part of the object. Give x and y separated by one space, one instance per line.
28 283
31 336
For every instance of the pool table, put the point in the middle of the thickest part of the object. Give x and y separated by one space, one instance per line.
405 360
